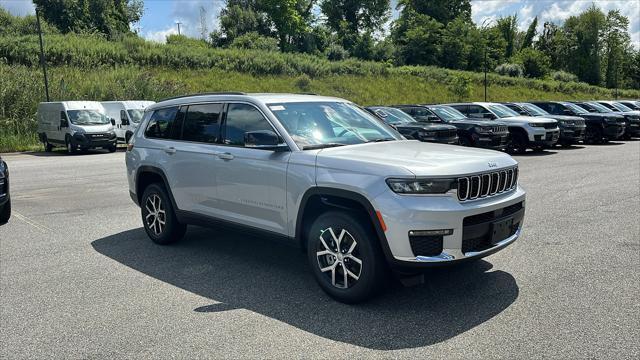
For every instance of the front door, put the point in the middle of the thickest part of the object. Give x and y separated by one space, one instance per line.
251 183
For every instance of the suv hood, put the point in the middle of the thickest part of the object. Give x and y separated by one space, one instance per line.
426 126
411 157
526 119
562 117
92 129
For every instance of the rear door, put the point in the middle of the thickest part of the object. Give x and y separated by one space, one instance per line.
251 182
196 161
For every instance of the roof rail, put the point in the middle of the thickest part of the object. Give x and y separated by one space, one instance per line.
205 94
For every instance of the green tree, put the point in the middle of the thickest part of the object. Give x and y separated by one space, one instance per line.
108 17
508 27
616 43
443 11
291 19
240 17
534 62
460 87
586 30
455 44
527 41
417 37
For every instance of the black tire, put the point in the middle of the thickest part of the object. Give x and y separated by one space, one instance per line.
47 147
517 143
71 148
151 211
6 213
112 148
465 141
371 273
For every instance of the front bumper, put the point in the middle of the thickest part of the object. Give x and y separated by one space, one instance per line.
89 141
441 140
633 129
471 223
549 139
572 134
496 142
614 131
4 190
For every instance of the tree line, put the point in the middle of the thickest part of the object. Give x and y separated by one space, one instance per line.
592 47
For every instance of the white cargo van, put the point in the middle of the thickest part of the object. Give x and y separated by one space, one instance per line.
127 116
77 125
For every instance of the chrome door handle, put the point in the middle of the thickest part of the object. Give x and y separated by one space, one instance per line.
226 156
170 150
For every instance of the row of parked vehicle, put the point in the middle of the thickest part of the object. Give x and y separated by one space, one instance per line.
515 126
323 173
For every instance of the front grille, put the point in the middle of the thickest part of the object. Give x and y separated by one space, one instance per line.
487 184
426 245
98 136
550 125
447 133
500 129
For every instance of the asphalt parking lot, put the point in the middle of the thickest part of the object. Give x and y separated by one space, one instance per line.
80 279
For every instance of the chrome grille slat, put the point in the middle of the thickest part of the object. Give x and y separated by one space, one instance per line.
487 184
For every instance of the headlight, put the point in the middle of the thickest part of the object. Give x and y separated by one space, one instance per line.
421 186
484 130
79 131
536 124
3 167
427 133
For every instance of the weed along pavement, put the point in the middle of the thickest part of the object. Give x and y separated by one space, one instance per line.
80 278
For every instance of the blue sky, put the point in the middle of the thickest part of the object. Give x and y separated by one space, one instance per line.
160 16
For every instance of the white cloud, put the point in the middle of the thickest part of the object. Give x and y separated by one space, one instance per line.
18 7
160 35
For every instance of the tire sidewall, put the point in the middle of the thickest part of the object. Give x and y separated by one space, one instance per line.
171 232
372 273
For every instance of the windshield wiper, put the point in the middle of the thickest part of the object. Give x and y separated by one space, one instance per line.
321 146
381 140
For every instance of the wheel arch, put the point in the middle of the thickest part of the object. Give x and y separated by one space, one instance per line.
317 200
147 175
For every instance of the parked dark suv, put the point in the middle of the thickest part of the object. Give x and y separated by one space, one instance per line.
411 128
5 199
594 107
572 128
633 105
600 127
471 132
631 116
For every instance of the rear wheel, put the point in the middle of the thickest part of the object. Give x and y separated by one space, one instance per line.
517 143
158 216
47 147
6 213
345 257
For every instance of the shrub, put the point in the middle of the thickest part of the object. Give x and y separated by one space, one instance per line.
534 62
303 82
460 87
336 52
513 70
564 76
255 41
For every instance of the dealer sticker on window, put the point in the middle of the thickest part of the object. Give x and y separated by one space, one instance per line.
276 107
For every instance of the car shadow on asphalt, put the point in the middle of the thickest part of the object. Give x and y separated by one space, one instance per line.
536 153
240 271
64 153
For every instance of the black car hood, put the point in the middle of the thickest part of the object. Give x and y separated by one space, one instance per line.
562 117
426 126
477 122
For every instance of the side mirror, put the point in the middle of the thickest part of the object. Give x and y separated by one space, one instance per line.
64 123
263 139
489 116
113 121
567 112
124 121
432 118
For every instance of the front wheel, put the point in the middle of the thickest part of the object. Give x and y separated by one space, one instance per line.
71 148
517 143
345 257
112 148
158 216
465 141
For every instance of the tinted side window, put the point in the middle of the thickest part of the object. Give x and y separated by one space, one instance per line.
421 112
160 125
544 106
202 123
240 119
462 108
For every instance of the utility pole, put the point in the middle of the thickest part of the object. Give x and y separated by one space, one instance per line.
178 23
42 60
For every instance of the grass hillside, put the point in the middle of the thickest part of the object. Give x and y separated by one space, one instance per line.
91 68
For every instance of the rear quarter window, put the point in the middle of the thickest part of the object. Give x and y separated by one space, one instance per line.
160 125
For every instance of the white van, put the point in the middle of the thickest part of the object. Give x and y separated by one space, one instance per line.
77 125
127 116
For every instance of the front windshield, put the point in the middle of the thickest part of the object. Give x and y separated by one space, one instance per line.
447 113
601 108
136 114
312 124
87 117
394 116
536 111
502 111
576 109
622 107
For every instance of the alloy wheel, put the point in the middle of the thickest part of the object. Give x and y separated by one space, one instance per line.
156 215
338 258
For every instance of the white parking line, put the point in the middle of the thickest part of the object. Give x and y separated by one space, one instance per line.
40 227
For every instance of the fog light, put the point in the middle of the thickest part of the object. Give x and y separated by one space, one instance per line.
441 232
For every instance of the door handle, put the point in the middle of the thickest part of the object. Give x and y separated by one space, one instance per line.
226 156
170 150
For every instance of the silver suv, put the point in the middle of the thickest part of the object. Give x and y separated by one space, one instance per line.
323 173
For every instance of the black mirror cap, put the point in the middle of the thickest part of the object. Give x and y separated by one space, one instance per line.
64 123
263 139
113 122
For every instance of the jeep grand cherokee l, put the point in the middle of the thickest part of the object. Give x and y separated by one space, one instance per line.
480 133
631 117
600 127
595 107
572 128
325 174
525 132
413 129
5 198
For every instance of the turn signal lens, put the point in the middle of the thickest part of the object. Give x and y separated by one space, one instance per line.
129 147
